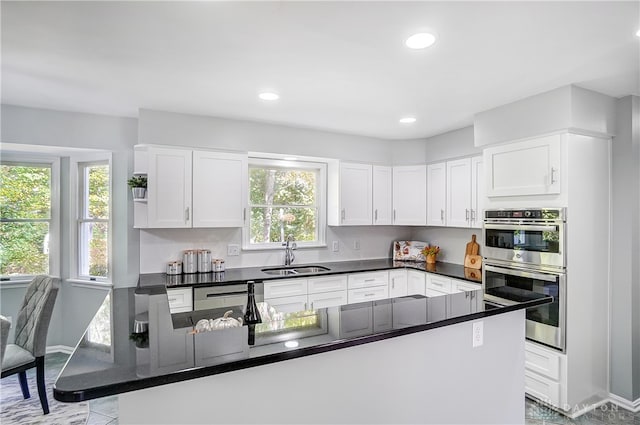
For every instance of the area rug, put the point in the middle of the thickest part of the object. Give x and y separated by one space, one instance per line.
14 410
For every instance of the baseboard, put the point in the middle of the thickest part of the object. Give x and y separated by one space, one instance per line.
633 406
59 349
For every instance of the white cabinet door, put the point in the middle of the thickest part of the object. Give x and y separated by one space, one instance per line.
219 189
477 192
382 195
416 281
410 195
531 167
327 299
459 193
169 187
288 304
438 283
317 285
285 288
368 279
368 294
355 194
180 300
436 194
397 283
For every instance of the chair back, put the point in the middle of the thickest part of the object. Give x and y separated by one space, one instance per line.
32 322
5 325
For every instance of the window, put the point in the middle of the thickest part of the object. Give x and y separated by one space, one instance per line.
93 220
28 218
285 198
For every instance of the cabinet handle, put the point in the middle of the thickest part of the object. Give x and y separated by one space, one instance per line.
244 214
473 214
311 305
394 215
342 214
442 215
172 300
305 306
186 214
369 295
393 283
466 214
369 280
553 175
376 215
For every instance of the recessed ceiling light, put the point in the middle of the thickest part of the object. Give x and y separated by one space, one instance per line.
407 120
267 95
638 33
420 41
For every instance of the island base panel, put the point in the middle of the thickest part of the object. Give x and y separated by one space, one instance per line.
435 376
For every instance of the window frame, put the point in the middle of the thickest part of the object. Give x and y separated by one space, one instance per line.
52 162
78 165
300 163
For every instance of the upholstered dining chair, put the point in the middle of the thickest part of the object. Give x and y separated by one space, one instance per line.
32 324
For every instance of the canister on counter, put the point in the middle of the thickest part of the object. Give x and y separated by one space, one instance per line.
218 265
174 268
190 261
204 261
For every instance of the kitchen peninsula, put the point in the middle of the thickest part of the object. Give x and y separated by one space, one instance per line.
406 359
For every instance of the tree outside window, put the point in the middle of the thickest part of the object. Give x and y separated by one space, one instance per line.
25 218
283 201
93 222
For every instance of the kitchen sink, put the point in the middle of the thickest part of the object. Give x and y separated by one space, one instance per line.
293 270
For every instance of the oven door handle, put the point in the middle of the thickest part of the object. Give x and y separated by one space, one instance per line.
547 277
521 227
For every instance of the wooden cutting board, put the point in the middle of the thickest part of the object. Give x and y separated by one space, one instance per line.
471 258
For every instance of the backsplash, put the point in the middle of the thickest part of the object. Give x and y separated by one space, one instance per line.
452 241
159 246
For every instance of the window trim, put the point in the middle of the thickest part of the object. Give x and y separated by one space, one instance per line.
79 162
54 220
281 161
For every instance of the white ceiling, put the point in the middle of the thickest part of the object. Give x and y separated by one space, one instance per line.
338 66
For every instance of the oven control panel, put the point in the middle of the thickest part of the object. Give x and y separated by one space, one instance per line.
526 214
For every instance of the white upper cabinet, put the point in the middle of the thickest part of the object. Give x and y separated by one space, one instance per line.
188 188
356 187
477 192
169 187
459 193
436 194
219 191
350 194
531 167
410 195
382 195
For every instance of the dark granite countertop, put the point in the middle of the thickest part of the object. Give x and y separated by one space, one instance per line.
244 274
109 362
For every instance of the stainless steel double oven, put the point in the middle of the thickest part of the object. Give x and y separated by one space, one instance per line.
524 252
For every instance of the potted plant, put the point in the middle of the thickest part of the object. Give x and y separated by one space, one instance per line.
430 253
138 185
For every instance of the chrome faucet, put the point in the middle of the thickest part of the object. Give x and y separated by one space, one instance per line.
289 246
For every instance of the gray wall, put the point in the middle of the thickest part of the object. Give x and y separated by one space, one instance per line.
625 251
56 132
443 147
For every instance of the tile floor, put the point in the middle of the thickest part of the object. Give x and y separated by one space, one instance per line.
104 411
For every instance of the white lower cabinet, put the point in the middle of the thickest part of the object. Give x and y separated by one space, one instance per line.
369 286
291 295
368 294
398 283
327 299
285 288
288 304
438 283
416 282
545 374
